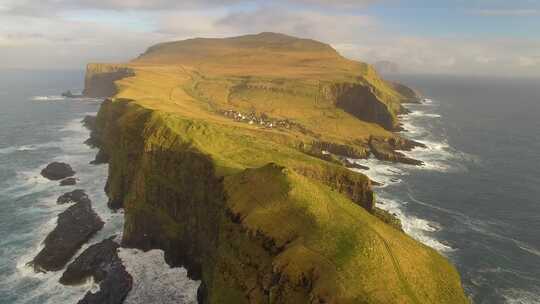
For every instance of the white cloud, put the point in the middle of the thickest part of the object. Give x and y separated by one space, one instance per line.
526 62
507 12
38 40
485 59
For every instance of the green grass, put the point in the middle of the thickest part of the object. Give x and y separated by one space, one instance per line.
296 217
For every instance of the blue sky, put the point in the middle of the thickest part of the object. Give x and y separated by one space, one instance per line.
451 37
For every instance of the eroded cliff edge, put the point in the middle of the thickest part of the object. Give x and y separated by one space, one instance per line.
249 210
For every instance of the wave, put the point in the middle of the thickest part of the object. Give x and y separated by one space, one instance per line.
419 113
154 281
48 98
63 98
419 229
384 173
24 148
518 296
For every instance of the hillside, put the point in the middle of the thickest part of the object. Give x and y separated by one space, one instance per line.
229 155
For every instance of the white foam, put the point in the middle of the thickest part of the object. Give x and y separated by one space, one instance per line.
419 113
517 296
419 229
385 173
154 281
48 98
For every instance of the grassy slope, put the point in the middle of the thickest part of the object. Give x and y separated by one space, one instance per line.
349 255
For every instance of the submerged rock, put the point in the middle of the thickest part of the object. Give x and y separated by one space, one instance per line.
75 226
57 171
70 181
75 196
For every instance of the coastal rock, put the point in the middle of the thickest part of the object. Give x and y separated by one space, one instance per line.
114 288
70 181
101 262
57 171
75 196
94 262
75 226
89 121
101 158
386 149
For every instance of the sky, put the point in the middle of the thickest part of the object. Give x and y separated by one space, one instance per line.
474 37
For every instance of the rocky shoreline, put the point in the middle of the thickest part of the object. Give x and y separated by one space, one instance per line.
75 226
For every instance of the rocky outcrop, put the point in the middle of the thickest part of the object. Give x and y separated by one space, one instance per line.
57 171
100 79
75 196
94 262
70 181
75 226
411 96
101 262
361 101
388 149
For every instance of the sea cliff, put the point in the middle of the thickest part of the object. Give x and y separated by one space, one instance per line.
260 213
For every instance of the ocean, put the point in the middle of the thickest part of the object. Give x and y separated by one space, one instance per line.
37 126
477 199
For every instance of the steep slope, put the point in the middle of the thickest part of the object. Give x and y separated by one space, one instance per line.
254 207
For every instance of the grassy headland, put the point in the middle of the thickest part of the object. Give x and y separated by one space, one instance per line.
219 152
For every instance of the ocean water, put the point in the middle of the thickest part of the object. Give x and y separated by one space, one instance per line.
37 126
477 200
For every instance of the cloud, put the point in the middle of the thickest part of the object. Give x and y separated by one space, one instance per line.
485 59
330 28
527 62
507 12
41 7
55 35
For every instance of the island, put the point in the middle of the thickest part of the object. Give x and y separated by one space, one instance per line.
232 156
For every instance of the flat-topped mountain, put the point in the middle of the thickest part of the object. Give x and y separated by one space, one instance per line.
231 155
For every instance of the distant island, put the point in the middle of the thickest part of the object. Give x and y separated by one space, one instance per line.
233 156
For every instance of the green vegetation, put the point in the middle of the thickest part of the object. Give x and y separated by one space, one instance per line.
256 213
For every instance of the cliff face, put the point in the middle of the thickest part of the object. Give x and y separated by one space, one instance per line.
100 78
361 102
276 234
245 206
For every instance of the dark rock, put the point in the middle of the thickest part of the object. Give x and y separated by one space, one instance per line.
93 262
69 94
385 149
114 288
354 165
75 196
57 171
101 262
101 158
70 181
75 226
89 121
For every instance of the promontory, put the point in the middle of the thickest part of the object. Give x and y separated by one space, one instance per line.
232 156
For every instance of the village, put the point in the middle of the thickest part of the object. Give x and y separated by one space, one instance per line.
261 120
